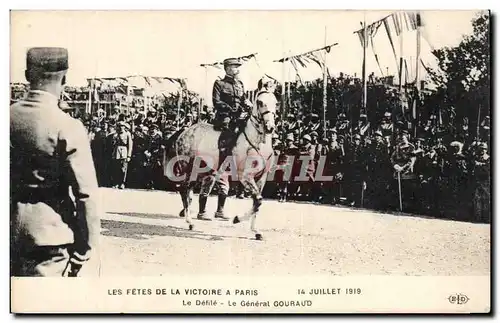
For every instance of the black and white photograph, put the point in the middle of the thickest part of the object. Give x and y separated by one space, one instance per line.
250 161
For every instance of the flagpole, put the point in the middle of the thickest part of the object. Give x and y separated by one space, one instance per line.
283 104
401 62
417 75
325 84
365 43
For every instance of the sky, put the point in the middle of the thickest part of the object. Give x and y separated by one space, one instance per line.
175 43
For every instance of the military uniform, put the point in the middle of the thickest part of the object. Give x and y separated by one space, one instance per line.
50 157
121 154
229 101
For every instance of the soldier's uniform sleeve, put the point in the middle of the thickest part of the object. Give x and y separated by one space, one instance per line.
83 181
220 106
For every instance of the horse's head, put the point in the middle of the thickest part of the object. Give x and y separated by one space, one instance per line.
267 107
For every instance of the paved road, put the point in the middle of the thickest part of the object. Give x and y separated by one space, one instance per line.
143 235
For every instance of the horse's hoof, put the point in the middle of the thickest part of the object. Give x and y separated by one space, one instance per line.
191 226
236 220
182 214
258 236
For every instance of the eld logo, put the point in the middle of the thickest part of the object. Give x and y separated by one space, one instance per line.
458 299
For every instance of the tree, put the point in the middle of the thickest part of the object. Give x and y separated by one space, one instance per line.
465 72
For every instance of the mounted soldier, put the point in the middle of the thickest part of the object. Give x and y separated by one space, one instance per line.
231 109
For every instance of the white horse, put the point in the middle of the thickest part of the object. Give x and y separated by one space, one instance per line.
196 149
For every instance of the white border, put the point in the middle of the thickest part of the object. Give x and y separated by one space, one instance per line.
184 4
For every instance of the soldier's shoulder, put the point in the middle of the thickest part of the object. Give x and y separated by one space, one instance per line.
70 126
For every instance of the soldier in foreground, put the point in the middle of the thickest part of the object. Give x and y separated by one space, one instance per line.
51 235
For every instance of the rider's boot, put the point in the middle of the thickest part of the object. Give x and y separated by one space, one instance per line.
219 214
202 214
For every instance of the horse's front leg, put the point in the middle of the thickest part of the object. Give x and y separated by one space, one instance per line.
256 191
187 197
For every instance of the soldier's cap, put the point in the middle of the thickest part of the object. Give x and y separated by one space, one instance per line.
341 137
421 139
314 115
155 126
378 133
404 132
333 130
275 135
232 61
47 59
342 115
387 114
313 134
289 137
307 137
357 136
483 145
456 144
432 116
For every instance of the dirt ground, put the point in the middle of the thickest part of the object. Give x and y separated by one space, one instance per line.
142 234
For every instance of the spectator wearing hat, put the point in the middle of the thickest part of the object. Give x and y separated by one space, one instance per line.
122 144
363 127
403 161
355 174
52 233
482 176
286 186
98 147
307 150
387 128
156 147
140 160
343 125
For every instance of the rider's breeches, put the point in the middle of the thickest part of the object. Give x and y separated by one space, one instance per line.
208 183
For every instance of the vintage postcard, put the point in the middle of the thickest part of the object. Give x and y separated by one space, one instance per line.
250 161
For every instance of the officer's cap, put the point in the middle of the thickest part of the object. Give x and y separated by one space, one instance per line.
404 132
47 59
314 115
314 134
362 116
275 136
307 137
357 136
342 115
289 137
333 130
483 145
232 61
387 114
